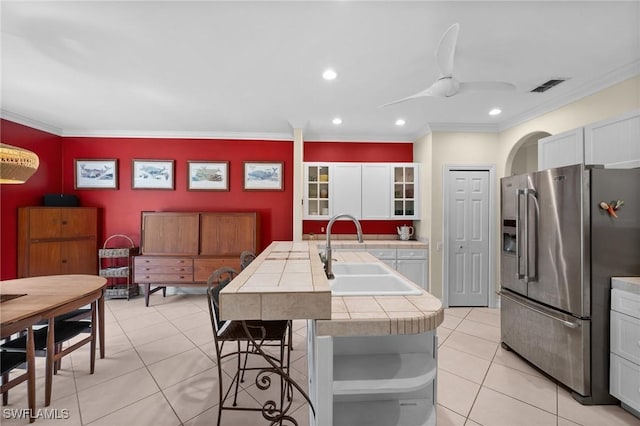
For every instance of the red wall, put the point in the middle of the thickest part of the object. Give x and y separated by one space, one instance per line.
359 152
121 208
45 180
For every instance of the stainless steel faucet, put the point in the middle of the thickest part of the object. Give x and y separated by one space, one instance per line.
327 253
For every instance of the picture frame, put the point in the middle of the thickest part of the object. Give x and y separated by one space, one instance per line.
152 174
95 173
263 176
207 175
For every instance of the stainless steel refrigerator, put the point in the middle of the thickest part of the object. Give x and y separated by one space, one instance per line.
560 248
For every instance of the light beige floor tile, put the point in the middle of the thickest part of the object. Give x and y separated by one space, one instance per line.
451 321
62 410
196 319
195 395
540 392
153 410
477 329
473 345
462 364
230 417
470 422
484 317
107 368
457 312
593 415
443 333
142 320
446 417
164 348
492 408
107 397
200 335
142 336
172 311
180 367
565 422
273 392
511 359
456 393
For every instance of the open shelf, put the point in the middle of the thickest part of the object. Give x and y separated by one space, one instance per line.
382 373
417 412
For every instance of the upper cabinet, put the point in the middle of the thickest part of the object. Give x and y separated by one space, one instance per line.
365 190
613 143
563 149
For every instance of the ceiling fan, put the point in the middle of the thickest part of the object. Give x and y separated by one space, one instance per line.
446 85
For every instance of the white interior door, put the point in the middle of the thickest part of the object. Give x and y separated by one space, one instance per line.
468 238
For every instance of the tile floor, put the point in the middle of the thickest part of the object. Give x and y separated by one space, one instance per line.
160 370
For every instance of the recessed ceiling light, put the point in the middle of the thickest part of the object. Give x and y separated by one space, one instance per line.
495 111
400 122
329 74
337 121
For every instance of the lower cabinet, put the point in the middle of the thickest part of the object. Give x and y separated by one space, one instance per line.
372 380
624 373
412 263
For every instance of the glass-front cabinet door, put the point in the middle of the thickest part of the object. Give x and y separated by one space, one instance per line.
405 191
317 182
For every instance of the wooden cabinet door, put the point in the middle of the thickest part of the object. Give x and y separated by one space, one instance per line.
79 257
170 233
227 234
45 258
43 223
78 222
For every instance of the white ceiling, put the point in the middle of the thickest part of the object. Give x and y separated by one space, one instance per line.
253 69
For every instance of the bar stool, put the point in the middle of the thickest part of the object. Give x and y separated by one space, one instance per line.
265 333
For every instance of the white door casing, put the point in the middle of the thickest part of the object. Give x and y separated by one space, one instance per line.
469 258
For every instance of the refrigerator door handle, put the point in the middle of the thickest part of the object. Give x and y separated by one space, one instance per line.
531 276
565 323
519 275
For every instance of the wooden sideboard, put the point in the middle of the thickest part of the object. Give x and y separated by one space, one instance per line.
182 248
57 240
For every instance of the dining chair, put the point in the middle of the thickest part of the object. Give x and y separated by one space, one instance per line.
264 333
50 340
12 360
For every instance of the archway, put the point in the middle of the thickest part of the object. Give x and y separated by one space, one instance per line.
523 156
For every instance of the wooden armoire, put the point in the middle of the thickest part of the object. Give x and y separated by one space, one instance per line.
57 240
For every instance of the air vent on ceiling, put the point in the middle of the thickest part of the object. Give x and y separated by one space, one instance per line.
548 85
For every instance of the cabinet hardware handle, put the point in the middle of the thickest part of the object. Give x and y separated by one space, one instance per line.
64 222
64 260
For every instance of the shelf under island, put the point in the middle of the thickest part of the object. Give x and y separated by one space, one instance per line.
372 359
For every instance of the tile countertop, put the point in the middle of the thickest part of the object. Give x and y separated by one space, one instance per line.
630 284
287 281
372 244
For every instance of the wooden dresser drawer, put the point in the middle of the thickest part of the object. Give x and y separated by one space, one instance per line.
142 277
143 261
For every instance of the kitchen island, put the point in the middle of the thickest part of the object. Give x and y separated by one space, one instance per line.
372 358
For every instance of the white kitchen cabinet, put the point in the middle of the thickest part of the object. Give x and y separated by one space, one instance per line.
376 191
624 373
412 263
346 184
372 380
365 190
615 143
386 255
317 178
562 149
406 181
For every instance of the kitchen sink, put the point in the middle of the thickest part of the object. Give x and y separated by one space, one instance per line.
372 285
359 269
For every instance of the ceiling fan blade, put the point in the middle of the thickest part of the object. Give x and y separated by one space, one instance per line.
471 86
442 88
447 49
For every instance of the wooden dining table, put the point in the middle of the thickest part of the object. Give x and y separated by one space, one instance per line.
27 301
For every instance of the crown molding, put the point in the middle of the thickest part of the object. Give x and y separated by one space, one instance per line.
607 80
29 122
153 134
333 137
464 127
